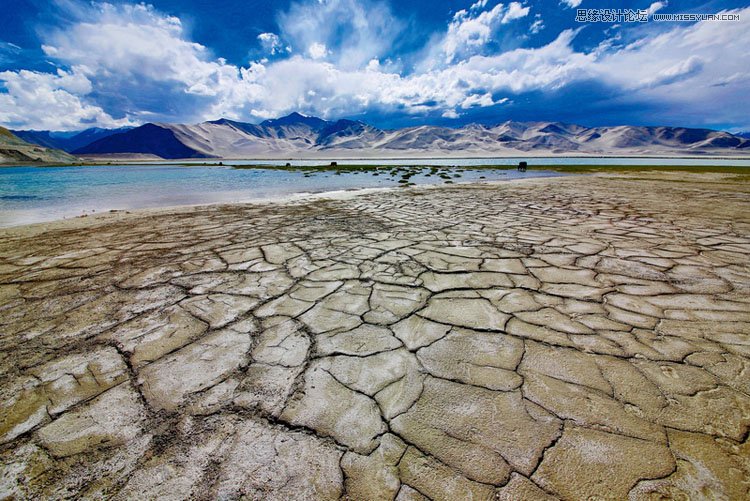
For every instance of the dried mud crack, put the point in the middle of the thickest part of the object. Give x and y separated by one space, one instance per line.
576 338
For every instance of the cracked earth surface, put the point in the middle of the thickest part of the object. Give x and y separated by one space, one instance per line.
564 338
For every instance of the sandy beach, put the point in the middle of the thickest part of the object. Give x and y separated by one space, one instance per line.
579 337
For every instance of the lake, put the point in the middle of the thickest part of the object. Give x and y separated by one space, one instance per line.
37 194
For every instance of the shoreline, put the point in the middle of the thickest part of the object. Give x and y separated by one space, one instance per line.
105 161
301 198
717 173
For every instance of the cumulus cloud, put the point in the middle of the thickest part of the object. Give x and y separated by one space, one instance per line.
136 59
684 57
354 31
467 84
515 11
474 28
140 59
477 100
50 101
271 43
317 50
571 3
136 41
656 6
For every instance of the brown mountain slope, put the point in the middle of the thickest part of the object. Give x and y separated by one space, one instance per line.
16 150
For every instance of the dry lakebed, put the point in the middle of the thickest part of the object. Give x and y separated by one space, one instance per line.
580 337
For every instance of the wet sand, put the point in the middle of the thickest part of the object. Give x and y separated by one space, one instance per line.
557 338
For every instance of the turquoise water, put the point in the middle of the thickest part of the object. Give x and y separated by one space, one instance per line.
36 194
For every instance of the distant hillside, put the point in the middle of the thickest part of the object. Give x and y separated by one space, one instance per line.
298 135
66 141
296 120
154 139
16 150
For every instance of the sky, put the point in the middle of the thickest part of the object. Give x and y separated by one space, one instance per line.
71 64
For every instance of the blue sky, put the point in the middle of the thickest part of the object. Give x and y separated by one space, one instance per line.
71 64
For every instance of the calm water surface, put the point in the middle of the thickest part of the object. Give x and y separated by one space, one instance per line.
36 194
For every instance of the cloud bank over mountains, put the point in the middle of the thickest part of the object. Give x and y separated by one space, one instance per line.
114 65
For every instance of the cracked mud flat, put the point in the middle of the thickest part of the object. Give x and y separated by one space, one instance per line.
577 338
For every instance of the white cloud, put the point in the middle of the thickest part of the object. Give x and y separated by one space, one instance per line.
119 45
571 3
353 31
515 11
477 100
478 5
272 44
679 71
472 83
317 51
472 29
136 40
694 50
147 60
690 68
537 25
129 38
684 57
50 101
656 6
139 54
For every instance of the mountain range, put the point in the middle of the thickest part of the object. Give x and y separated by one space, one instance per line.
297 135
66 141
14 150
